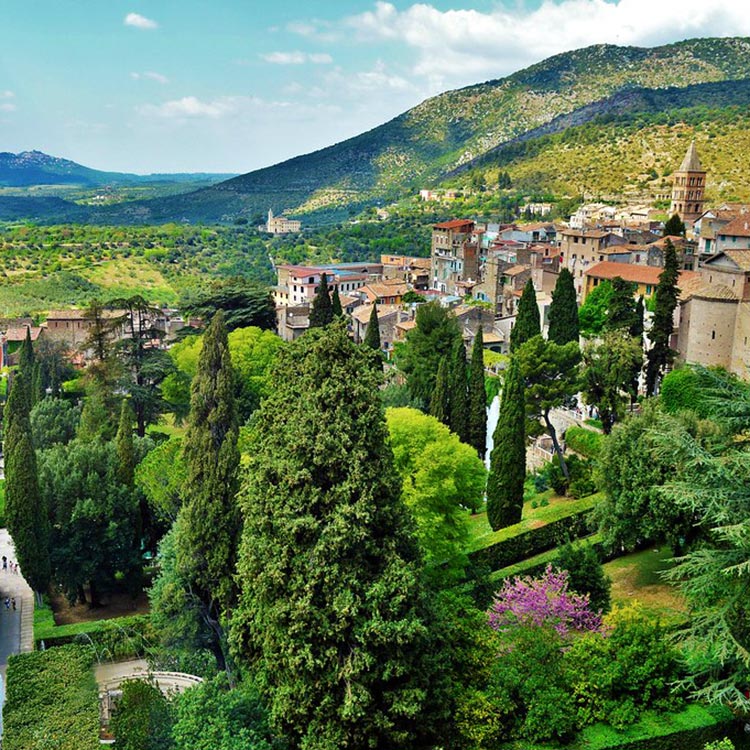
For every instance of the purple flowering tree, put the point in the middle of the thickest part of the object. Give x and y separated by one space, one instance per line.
543 601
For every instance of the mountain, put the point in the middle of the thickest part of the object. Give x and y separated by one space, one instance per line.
441 136
36 168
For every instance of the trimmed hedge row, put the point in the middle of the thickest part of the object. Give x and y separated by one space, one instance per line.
534 541
52 699
119 638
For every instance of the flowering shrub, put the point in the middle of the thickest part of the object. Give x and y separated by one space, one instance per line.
543 601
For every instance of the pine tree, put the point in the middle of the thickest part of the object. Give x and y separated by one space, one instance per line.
563 312
508 458
372 335
440 403
527 320
329 616
209 522
338 311
661 355
25 512
477 397
321 312
124 443
458 390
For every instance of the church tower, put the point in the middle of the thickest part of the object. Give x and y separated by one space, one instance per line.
688 186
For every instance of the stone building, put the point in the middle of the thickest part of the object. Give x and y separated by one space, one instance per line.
454 256
281 224
688 186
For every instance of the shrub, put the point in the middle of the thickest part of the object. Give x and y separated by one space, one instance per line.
583 441
143 718
51 695
586 575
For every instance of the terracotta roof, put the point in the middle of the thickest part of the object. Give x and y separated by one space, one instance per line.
19 333
631 272
739 227
377 290
406 325
493 337
362 314
515 270
691 162
455 224
677 240
593 233
697 286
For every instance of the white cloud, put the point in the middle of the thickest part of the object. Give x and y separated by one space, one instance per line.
297 58
140 22
464 45
7 94
191 107
7 107
150 75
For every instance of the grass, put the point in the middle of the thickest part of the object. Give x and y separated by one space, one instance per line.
45 627
482 535
123 277
637 577
168 427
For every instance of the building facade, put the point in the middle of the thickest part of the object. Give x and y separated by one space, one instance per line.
688 187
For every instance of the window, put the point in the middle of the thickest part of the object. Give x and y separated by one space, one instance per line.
713 335
649 288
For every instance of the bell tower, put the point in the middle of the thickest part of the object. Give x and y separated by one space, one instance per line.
688 185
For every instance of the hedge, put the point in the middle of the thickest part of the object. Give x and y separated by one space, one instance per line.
51 701
116 638
688 729
532 542
585 442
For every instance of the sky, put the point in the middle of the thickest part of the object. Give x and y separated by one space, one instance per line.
233 85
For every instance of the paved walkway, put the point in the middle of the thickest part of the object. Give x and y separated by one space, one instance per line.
16 626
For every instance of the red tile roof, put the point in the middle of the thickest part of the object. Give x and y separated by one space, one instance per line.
454 224
739 227
631 272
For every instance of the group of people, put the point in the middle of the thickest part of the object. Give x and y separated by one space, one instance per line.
9 565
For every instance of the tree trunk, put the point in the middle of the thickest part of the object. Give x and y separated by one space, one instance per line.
95 602
553 434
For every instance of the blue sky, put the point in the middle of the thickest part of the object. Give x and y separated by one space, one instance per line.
233 85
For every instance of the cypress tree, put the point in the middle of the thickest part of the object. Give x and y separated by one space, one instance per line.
458 390
124 444
477 397
508 459
25 511
209 522
621 311
321 312
440 403
329 617
661 355
26 356
563 312
37 384
527 320
636 330
338 311
372 335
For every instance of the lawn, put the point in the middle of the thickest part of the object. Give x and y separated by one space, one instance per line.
556 507
636 577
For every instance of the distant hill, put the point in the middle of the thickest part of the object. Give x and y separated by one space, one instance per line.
454 131
36 168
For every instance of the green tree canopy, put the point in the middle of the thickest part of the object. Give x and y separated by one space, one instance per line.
329 611
661 354
432 338
243 302
621 311
563 312
528 323
321 310
592 314
477 434
443 480
508 457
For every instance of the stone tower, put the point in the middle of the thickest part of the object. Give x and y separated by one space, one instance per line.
688 187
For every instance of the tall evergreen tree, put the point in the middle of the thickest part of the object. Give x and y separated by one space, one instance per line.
37 385
329 616
661 355
124 443
508 458
321 312
636 330
674 227
25 512
209 522
621 312
477 397
440 403
458 388
372 335
563 312
338 311
527 324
